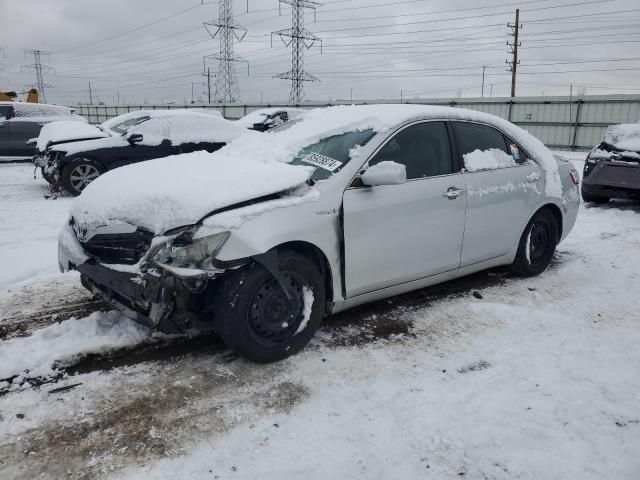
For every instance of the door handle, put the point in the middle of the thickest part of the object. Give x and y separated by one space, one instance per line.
452 193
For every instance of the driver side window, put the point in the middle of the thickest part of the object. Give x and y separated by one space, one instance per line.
423 149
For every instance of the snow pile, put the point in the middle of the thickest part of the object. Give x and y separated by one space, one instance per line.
63 341
64 130
322 123
179 190
625 136
487 160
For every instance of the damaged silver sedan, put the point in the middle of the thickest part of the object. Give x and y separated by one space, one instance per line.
262 239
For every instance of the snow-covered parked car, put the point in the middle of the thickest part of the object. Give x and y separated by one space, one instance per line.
72 165
352 204
63 131
22 122
266 119
612 168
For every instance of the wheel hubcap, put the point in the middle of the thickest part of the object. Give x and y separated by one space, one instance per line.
83 175
538 242
274 318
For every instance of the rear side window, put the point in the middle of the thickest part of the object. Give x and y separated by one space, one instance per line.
471 137
423 148
484 148
4 111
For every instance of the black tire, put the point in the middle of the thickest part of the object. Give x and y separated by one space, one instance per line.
540 238
594 198
251 308
79 173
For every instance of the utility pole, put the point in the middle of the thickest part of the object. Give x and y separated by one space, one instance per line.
39 70
228 31
513 65
298 38
118 92
483 69
491 91
90 95
209 84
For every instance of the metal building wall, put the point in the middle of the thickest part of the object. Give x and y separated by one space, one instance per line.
560 122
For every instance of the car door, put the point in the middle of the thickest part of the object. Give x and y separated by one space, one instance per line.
398 233
5 114
503 186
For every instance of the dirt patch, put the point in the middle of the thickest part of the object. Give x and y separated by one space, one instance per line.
32 307
132 424
387 319
475 367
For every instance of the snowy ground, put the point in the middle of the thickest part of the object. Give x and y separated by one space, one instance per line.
538 378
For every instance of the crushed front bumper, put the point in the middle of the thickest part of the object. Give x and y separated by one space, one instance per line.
147 294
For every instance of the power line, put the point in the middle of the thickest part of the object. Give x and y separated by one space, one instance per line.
168 17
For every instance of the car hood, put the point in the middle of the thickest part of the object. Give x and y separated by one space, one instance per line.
67 131
72 148
166 193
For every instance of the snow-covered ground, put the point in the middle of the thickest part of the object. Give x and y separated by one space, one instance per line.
528 378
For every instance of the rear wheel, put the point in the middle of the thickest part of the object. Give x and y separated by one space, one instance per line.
80 173
259 320
537 245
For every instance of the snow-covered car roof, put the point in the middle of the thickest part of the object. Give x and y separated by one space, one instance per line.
259 115
623 137
43 112
282 146
65 130
177 126
157 114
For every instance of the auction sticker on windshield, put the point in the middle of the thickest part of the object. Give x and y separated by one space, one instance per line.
321 161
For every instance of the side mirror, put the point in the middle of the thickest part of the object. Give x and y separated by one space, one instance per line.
384 173
135 138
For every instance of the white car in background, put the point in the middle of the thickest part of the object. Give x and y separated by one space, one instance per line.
266 119
352 204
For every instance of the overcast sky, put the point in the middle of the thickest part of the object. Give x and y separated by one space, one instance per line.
371 48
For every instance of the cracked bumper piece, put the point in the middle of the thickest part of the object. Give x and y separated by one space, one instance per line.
144 299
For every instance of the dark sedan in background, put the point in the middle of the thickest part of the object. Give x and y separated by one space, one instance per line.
612 169
21 122
72 166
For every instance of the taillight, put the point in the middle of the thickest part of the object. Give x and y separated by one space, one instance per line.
574 177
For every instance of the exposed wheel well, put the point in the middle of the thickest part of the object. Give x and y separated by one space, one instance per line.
318 257
557 214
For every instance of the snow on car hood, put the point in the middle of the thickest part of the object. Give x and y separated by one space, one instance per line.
171 192
624 137
67 130
282 146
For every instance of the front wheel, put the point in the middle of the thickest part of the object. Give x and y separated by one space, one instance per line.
537 245
259 320
78 174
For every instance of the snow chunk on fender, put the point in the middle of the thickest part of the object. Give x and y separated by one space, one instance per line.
180 190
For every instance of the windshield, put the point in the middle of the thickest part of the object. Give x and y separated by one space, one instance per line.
329 155
123 126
